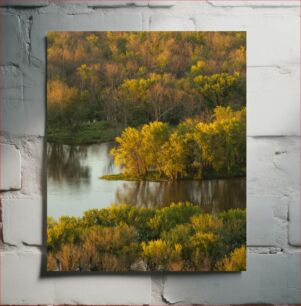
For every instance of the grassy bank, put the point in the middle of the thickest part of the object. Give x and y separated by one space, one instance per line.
155 177
88 133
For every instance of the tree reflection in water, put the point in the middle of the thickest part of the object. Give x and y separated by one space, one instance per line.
74 185
65 164
213 195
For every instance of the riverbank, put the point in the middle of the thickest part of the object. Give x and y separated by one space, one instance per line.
126 177
88 133
155 177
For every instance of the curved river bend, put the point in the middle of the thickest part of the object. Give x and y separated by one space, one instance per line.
73 185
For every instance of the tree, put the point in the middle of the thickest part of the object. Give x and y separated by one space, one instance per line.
138 150
153 135
222 142
216 87
129 154
172 158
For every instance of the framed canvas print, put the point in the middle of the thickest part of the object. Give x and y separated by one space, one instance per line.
146 151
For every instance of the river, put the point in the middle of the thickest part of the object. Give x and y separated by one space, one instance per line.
74 186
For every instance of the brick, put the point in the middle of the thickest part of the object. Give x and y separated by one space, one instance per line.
286 160
22 284
33 167
269 36
11 84
294 221
29 122
34 102
257 4
12 44
23 101
23 3
273 165
268 279
115 3
27 214
277 90
260 219
10 170
160 3
121 4
22 279
171 23
12 97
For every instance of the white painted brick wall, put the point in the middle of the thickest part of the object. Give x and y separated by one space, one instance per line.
22 219
12 44
23 284
271 278
10 171
23 3
273 178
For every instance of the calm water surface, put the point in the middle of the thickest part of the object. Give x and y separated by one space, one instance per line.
74 185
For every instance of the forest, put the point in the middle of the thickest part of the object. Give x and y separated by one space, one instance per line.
123 238
102 82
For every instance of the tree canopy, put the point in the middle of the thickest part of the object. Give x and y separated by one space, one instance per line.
132 78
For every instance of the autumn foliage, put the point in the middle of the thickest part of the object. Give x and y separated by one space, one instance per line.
179 237
132 78
193 149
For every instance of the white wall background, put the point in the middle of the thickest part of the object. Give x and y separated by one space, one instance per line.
273 176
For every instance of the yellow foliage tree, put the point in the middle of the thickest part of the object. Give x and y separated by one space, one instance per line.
172 157
129 153
217 86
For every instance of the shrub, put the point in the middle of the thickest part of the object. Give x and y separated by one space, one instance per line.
68 258
160 255
66 230
168 217
124 238
234 229
206 223
236 261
